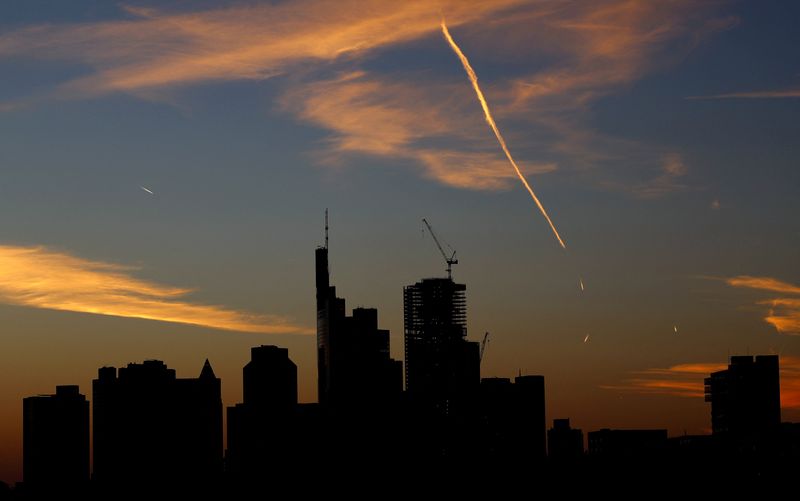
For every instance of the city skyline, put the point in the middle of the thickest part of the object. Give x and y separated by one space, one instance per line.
164 170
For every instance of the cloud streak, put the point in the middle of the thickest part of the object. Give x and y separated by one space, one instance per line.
41 278
686 380
759 94
783 312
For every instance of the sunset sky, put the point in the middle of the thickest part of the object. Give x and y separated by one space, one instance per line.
165 167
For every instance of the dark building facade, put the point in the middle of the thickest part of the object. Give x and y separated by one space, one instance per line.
55 434
442 367
564 443
150 426
627 444
354 366
260 429
513 418
745 398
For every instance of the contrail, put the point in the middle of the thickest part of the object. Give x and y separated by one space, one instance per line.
145 189
488 115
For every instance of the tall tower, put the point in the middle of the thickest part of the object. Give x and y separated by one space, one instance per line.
325 296
441 365
354 368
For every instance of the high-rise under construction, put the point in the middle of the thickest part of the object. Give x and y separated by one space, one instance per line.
442 367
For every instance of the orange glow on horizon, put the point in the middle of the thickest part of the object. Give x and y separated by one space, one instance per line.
686 380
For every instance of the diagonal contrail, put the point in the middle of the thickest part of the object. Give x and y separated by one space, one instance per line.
488 114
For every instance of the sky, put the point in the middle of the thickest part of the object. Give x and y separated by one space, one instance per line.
165 168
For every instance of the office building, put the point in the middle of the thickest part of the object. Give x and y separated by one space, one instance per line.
55 440
150 426
745 398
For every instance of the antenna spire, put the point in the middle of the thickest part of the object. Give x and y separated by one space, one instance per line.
326 228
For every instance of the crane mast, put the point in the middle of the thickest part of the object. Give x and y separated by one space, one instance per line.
451 260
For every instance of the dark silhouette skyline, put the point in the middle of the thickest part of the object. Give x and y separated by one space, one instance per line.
154 431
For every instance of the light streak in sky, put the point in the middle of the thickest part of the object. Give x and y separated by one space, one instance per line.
490 120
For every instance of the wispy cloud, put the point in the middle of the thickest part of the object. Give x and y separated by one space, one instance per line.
759 94
158 48
581 52
600 48
38 277
686 380
380 116
672 169
762 283
783 312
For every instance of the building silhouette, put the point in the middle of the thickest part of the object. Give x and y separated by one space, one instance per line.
564 443
354 366
627 444
260 429
745 398
151 427
442 367
513 417
55 435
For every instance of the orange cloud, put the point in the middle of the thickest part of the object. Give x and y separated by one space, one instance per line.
763 283
686 380
158 48
583 51
599 48
759 94
384 117
784 313
42 278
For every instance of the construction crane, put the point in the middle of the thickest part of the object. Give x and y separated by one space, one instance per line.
483 346
449 260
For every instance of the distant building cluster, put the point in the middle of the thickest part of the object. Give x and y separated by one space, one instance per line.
150 428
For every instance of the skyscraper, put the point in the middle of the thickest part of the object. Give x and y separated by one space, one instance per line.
55 447
150 427
270 380
745 398
442 367
354 367
260 429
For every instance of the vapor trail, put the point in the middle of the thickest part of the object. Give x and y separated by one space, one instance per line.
488 115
